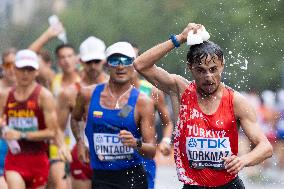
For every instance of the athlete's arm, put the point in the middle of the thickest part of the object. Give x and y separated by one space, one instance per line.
161 106
78 113
50 33
263 149
3 99
145 123
145 63
65 105
48 106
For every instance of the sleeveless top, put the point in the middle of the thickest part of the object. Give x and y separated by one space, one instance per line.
26 116
201 140
56 84
102 129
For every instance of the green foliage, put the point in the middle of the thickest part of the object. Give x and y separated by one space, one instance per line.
247 30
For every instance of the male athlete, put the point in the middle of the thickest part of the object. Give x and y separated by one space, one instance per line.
120 125
30 112
92 57
206 136
67 61
167 126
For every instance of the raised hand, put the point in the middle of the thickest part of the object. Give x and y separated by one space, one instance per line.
191 26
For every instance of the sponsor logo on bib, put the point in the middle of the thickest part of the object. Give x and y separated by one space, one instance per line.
109 147
207 152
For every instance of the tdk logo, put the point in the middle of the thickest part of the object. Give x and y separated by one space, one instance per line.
207 143
105 138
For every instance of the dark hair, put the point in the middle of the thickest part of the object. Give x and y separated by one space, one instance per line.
198 52
62 46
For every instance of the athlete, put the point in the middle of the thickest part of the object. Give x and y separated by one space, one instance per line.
160 106
6 82
67 61
206 135
31 117
92 57
120 125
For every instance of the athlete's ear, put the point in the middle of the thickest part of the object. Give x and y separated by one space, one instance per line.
188 66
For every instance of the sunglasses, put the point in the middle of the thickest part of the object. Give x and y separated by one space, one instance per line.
8 65
120 60
96 61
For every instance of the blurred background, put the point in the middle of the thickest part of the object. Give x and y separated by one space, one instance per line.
250 32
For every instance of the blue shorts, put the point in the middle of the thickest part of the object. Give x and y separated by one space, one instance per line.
3 152
150 167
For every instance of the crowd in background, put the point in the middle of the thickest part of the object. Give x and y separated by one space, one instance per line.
269 105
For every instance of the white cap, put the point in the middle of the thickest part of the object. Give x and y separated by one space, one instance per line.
123 48
92 49
25 58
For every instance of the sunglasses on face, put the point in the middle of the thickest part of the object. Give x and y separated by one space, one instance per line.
8 65
120 60
96 61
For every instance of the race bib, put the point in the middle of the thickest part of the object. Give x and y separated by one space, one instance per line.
109 147
23 124
207 152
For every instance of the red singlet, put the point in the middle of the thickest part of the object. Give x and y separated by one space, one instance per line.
201 140
32 162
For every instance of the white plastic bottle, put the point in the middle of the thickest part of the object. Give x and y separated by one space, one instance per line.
53 21
12 144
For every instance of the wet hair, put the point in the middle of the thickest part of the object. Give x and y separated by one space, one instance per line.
202 51
62 46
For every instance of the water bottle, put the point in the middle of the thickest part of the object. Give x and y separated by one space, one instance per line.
53 21
12 144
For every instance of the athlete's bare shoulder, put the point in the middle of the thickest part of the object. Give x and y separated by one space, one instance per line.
144 100
3 97
45 95
242 107
87 91
69 93
181 82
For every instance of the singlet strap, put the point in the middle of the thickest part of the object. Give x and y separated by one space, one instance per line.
133 97
11 97
36 92
98 90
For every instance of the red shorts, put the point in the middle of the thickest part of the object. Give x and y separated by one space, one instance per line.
33 167
80 171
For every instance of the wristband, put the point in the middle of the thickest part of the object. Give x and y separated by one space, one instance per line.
138 143
23 136
173 38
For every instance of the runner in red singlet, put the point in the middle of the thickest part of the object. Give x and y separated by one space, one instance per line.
31 117
206 135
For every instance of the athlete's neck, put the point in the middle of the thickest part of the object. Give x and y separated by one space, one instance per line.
119 89
25 90
87 80
69 77
136 82
205 96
